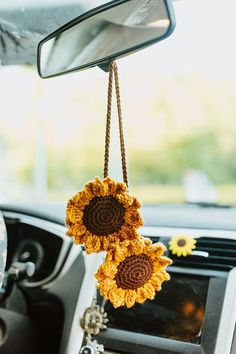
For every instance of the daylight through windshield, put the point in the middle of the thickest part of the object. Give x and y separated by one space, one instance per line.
179 107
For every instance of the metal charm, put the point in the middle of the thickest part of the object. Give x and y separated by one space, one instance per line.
92 347
94 319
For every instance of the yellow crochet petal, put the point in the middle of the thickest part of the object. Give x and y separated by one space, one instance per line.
111 185
116 296
133 218
137 247
107 270
78 240
142 295
76 230
127 233
136 203
74 215
109 241
105 287
150 290
120 253
93 244
125 199
121 188
156 283
130 298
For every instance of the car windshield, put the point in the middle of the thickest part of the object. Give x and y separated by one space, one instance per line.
179 107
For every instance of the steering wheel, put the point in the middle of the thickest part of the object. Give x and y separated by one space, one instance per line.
3 247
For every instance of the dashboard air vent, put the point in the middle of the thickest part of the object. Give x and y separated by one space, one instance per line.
221 254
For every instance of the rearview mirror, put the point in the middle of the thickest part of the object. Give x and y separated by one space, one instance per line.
104 34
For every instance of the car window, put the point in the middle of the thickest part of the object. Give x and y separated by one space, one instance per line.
179 107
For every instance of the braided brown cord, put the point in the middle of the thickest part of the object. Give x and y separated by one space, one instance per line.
114 71
108 122
122 141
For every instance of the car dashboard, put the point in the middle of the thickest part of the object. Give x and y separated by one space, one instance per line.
194 312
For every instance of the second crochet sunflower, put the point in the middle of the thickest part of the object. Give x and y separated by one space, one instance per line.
132 272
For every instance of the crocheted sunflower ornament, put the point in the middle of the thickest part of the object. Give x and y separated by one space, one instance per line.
105 217
104 213
132 272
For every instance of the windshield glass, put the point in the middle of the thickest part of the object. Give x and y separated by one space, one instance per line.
179 108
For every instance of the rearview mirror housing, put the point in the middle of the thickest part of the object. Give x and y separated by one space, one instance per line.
106 33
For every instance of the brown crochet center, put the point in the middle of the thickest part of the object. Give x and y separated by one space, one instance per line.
134 272
103 215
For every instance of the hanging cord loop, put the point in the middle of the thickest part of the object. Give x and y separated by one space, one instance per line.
113 73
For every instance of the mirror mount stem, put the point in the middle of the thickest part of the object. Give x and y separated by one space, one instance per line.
105 65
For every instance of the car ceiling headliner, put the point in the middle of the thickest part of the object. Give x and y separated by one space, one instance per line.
23 25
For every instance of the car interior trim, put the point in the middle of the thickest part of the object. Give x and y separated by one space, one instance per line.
49 227
86 296
68 255
155 231
223 343
88 289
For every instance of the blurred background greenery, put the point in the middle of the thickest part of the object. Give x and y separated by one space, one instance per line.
178 118
185 124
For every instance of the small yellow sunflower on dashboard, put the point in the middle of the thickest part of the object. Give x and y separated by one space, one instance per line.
102 214
182 245
132 272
